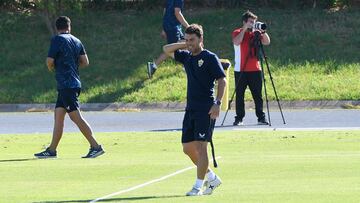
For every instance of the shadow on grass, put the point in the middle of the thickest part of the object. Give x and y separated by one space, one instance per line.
116 199
17 160
230 126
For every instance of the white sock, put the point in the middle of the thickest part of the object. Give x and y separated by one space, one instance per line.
199 184
155 66
211 175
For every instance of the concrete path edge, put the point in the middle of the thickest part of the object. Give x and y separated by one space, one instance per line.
178 106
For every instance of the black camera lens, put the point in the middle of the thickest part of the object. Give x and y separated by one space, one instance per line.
260 26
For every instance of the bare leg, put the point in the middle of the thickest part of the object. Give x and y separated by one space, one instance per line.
203 160
59 116
191 149
160 59
84 127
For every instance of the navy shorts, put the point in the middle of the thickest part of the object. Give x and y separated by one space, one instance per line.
197 126
174 36
68 99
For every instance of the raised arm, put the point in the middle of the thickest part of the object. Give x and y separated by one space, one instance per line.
265 39
239 38
171 48
180 17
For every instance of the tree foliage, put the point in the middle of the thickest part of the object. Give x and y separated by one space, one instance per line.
50 9
59 5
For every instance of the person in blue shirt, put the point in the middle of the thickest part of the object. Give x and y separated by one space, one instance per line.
203 69
173 19
66 54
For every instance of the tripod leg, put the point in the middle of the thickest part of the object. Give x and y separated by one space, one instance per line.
222 124
229 106
265 91
277 98
232 97
272 83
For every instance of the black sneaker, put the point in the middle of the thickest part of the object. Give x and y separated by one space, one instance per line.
94 152
263 122
151 68
46 154
238 122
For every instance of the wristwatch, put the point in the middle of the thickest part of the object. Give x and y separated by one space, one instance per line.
217 102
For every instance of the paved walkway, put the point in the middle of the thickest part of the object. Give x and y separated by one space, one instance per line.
11 123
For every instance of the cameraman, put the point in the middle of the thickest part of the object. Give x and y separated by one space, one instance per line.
247 68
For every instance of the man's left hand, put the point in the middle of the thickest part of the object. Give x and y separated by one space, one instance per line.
214 111
260 30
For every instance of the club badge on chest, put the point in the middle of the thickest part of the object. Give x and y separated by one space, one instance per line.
200 63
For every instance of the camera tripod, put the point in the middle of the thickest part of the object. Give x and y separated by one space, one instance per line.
259 50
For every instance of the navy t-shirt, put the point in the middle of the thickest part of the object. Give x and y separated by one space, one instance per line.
170 23
65 49
202 70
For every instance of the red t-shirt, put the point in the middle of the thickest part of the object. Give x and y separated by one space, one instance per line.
242 55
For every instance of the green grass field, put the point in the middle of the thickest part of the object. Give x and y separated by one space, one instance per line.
313 54
256 166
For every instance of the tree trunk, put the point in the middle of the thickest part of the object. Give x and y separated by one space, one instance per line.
48 14
49 21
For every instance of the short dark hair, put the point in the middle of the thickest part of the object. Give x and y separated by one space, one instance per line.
195 29
62 23
248 15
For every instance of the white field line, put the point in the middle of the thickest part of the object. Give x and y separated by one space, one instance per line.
300 156
145 184
298 129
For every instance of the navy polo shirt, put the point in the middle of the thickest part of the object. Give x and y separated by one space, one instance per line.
202 70
170 23
65 49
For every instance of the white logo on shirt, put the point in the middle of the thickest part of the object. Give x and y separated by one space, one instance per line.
200 63
202 135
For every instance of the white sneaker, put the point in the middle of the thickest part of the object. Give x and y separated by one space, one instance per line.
194 192
211 185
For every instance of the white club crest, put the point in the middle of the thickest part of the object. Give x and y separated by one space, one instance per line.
200 63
